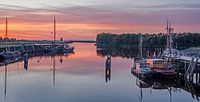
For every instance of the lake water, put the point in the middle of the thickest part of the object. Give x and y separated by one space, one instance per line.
81 77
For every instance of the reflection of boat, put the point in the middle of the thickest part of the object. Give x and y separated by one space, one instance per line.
158 83
158 66
176 84
25 58
108 68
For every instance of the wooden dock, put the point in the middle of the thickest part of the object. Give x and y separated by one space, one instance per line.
26 48
189 64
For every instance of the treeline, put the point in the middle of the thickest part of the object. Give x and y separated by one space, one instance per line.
181 40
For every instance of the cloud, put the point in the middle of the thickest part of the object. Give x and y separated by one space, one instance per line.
91 19
169 6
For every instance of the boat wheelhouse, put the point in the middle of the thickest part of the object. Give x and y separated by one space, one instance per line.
160 66
142 68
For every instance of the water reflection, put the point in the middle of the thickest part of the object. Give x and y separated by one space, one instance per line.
26 61
108 68
175 85
54 70
130 52
5 81
61 78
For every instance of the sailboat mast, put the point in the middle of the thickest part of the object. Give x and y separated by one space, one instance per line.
167 33
54 38
6 32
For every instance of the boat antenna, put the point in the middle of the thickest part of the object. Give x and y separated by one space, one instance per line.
141 43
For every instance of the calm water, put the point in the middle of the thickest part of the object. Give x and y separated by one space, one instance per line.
81 77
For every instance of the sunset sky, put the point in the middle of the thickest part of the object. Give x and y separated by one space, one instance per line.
83 19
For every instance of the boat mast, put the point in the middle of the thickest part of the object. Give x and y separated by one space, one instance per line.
6 33
141 43
54 31
167 28
170 36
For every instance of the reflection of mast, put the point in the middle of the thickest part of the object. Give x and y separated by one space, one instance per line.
108 68
141 91
5 82
141 95
26 61
54 70
170 94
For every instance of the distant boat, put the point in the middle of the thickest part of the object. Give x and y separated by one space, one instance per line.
9 55
59 48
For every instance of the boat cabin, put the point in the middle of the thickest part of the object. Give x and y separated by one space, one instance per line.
142 67
156 63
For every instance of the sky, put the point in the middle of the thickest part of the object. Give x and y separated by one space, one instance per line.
84 19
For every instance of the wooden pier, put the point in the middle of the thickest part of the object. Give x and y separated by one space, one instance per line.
26 48
185 63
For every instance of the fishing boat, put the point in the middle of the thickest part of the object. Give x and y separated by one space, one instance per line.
160 67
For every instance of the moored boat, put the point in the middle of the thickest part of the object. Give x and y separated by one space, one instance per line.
142 68
59 47
10 55
159 67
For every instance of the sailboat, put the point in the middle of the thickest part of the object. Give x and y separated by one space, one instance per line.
59 48
141 67
6 54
